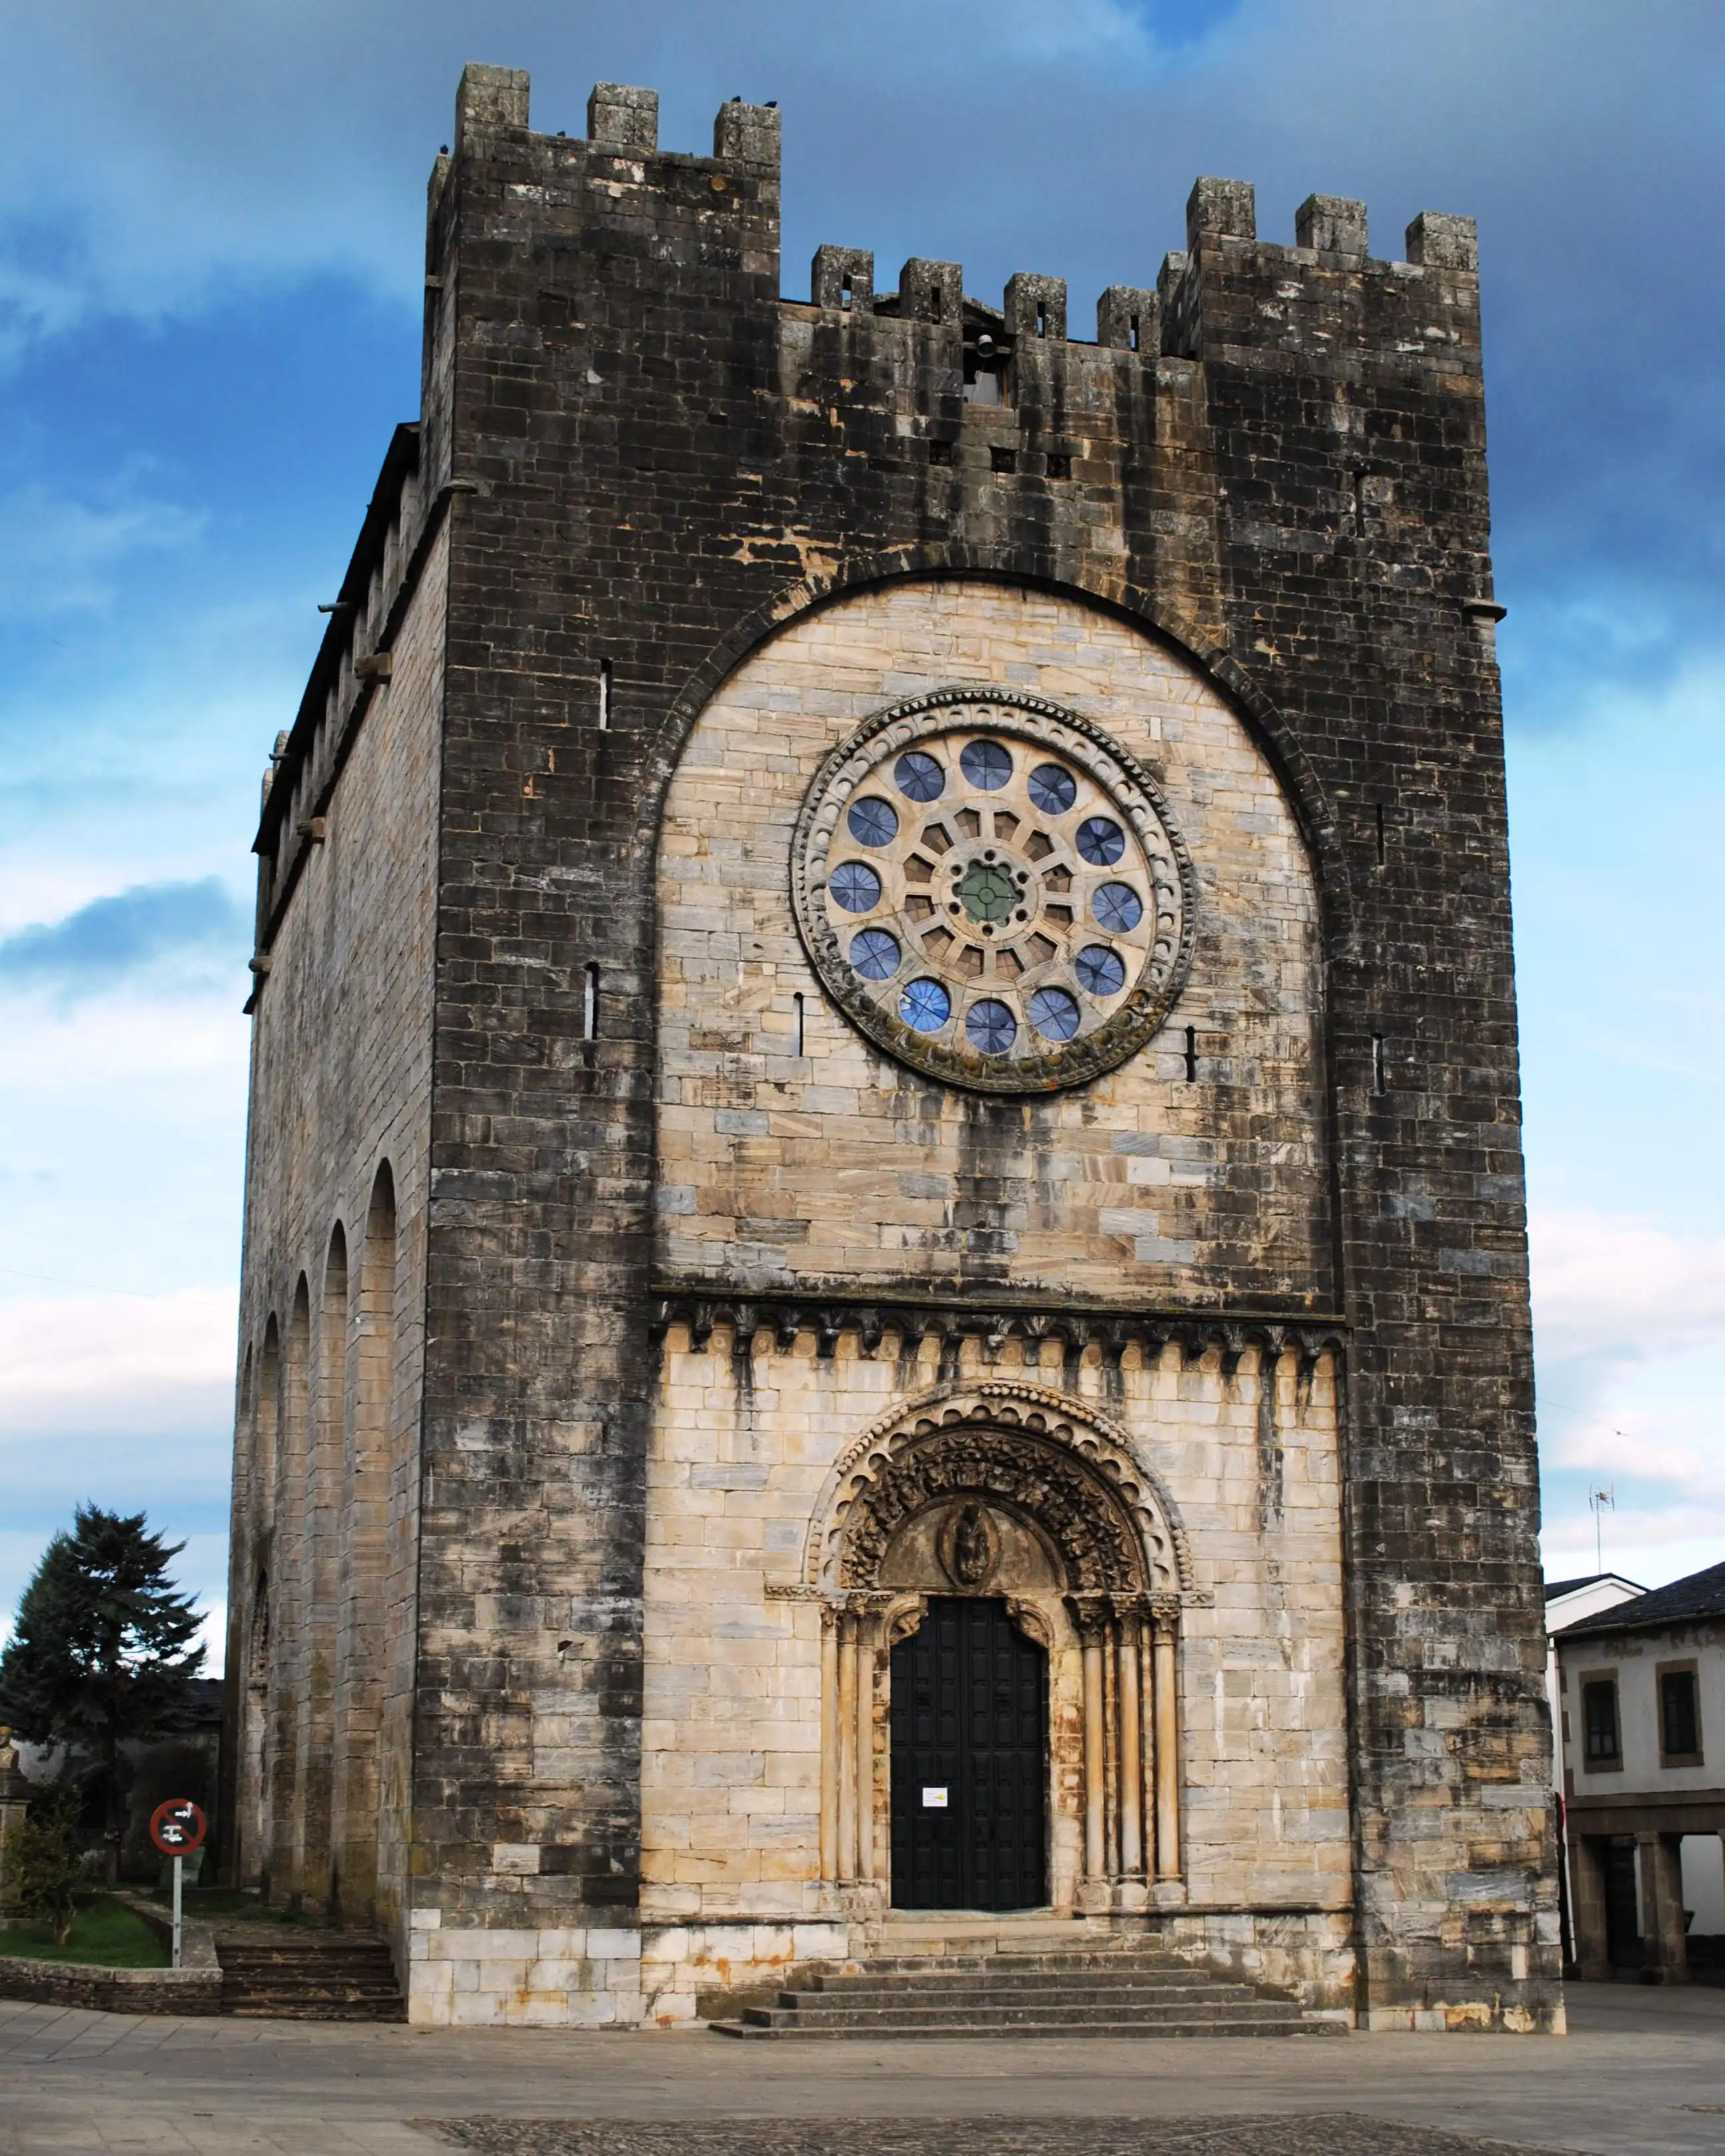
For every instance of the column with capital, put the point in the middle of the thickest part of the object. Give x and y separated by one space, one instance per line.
829 1742
1131 1771
868 1629
1167 1747
1093 1622
847 1629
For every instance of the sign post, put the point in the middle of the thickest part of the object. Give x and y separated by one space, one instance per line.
177 1828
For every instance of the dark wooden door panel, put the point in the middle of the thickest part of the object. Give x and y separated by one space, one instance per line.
970 1716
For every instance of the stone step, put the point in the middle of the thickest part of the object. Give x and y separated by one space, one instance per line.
1175 2000
812 2007
310 1994
1130 1955
343 1976
1077 2025
1049 1982
1131 1989
320 1958
380 2010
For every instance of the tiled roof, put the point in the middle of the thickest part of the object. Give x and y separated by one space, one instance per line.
1702 1594
1554 1588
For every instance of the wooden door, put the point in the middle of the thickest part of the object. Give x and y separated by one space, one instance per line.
969 1733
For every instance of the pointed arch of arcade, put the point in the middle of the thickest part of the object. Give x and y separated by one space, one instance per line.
321 1582
245 1825
286 1701
1073 1475
365 1514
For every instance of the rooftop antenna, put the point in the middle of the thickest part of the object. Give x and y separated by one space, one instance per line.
1598 1498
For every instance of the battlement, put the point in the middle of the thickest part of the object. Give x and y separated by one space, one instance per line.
1177 319
496 100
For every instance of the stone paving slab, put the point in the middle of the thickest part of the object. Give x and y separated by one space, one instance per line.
1643 2075
1328 2134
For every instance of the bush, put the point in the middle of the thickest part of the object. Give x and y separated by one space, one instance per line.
46 1861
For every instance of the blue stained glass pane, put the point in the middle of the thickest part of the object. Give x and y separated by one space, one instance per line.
1101 841
1101 971
925 1005
918 778
1051 789
875 954
855 886
1053 1013
986 764
872 822
991 1027
1118 907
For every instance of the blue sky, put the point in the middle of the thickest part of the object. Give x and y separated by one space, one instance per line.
210 231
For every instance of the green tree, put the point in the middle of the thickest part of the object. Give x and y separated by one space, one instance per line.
102 1651
44 1863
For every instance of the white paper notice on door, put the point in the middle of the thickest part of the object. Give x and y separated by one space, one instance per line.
933 1800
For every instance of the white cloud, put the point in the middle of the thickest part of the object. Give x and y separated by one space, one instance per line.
1622 1290
58 554
125 1402
133 1366
1629 1332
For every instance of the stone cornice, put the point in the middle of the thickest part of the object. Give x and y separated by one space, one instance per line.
701 1307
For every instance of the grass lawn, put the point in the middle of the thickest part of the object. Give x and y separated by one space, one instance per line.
104 1931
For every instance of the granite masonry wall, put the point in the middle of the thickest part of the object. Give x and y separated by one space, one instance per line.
322 1628
1268 473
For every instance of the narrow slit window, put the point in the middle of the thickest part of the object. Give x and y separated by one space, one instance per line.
935 301
844 290
797 1025
1132 344
1192 1056
605 696
1380 834
589 1005
1041 321
1379 1084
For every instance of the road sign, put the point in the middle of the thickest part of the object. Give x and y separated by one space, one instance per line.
177 1827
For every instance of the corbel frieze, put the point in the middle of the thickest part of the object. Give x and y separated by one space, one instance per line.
1194 1334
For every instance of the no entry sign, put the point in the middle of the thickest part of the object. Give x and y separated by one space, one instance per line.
177 1827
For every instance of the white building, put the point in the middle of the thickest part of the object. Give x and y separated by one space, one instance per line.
1640 1699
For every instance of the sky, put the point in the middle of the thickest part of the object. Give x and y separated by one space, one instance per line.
211 224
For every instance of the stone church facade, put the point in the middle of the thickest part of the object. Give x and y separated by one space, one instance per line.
885 1267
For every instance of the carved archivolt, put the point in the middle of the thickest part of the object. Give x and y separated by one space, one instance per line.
1059 1463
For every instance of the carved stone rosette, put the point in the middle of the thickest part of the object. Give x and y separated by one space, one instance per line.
994 890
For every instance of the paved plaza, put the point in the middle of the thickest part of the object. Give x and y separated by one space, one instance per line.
1642 2074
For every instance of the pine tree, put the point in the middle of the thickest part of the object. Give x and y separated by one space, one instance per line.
102 1651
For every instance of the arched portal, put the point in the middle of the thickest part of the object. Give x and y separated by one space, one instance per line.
1007 1494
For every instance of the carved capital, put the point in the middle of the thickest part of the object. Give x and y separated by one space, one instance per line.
1031 1621
1092 1617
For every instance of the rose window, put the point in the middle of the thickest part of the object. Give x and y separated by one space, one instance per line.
994 890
